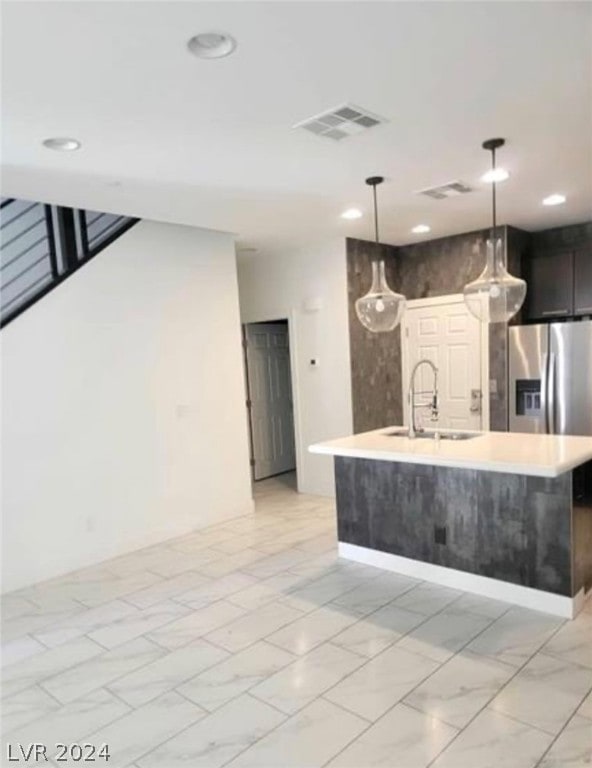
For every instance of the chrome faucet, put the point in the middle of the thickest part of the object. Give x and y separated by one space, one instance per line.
432 404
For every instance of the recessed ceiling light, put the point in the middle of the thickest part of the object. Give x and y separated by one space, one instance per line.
495 174
352 213
554 199
62 144
420 229
212 45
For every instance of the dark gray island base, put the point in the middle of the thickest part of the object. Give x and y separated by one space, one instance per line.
532 535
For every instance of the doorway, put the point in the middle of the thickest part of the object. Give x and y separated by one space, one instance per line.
270 406
442 330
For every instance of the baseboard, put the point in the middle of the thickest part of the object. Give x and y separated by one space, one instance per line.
185 527
174 529
527 597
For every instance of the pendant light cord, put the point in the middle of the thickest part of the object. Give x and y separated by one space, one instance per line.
374 181
493 196
375 214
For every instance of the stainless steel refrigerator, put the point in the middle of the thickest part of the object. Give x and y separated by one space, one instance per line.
550 378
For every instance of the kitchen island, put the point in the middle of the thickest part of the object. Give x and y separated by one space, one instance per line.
505 515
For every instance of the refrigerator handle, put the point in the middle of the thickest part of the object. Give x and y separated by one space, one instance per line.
551 394
545 392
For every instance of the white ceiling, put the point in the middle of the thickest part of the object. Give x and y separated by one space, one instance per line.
211 143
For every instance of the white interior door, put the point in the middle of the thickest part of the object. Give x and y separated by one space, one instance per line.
270 399
444 331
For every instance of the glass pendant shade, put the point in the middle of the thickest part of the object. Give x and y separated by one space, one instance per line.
496 295
381 309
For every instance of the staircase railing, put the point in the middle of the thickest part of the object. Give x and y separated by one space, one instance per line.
42 245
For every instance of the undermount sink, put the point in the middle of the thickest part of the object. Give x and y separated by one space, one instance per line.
447 435
430 434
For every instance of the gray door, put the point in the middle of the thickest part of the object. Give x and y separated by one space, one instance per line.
570 378
270 399
528 363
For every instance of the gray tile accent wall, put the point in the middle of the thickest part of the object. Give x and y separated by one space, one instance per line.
433 268
375 357
498 373
509 527
517 244
442 266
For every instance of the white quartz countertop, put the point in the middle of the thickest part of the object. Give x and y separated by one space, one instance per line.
513 452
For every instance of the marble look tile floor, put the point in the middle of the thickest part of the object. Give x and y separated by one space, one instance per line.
251 644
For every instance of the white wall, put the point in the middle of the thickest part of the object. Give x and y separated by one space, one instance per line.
123 405
282 285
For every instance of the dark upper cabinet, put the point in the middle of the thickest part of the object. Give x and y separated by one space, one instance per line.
558 271
551 285
583 280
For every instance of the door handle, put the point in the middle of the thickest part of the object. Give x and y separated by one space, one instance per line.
545 392
550 312
551 394
476 398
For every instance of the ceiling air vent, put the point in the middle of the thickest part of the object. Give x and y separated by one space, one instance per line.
343 121
452 189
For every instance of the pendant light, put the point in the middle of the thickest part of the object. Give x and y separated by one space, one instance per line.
496 295
381 309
